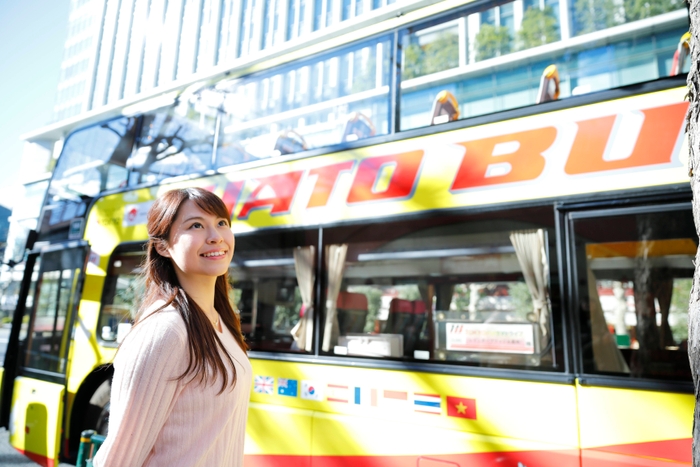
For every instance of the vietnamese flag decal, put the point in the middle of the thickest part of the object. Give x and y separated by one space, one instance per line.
461 407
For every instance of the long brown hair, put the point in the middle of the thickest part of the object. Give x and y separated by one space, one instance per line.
205 362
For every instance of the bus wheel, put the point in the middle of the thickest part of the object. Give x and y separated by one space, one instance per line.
99 408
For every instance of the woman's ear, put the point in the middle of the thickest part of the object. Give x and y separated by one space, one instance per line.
162 249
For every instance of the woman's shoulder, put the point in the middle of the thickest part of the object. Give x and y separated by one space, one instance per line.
160 321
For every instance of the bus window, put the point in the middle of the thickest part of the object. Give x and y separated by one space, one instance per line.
93 160
634 275
44 344
174 142
491 58
462 290
273 280
313 98
121 297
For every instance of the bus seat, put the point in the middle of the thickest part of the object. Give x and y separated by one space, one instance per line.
549 85
680 55
445 108
289 142
419 314
357 126
352 312
413 330
400 316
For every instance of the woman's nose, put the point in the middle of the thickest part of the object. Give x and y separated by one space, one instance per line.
214 237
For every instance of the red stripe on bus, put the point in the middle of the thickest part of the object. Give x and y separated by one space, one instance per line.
564 458
671 453
38 458
678 451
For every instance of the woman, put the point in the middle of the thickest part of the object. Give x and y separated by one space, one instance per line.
181 377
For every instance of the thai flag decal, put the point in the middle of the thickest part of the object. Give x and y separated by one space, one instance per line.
264 385
429 403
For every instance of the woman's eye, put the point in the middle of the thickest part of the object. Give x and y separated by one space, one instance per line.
196 225
223 223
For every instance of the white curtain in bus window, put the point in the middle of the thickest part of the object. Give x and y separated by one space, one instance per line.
494 58
634 273
302 332
336 98
454 289
530 248
335 258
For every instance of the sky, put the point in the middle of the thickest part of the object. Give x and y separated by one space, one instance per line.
32 36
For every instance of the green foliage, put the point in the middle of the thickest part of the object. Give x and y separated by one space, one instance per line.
539 27
287 315
679 307
492 41
438 55
408 292
640 9
522 300
594 15
460 297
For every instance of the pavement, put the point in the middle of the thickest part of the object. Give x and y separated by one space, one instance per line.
9 456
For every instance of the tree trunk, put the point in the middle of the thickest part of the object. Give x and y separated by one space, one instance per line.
694 172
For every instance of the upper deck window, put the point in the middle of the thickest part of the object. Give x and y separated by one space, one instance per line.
93 160
493 59
320 102
175 141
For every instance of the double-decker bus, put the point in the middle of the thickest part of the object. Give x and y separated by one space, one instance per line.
463 237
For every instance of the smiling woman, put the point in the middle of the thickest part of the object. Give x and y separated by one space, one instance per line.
181 377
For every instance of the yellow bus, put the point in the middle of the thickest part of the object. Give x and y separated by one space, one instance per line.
457 244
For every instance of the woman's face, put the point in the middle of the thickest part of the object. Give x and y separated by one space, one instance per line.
200 244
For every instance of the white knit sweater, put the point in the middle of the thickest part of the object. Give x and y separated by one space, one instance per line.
156 420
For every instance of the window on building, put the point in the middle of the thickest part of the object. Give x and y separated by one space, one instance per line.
272 29
247 30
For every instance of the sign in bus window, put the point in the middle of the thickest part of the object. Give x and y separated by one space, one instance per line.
454 291
634 288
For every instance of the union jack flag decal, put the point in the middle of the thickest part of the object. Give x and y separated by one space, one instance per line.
264 385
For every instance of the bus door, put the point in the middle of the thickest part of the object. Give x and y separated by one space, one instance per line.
42 345
633 271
